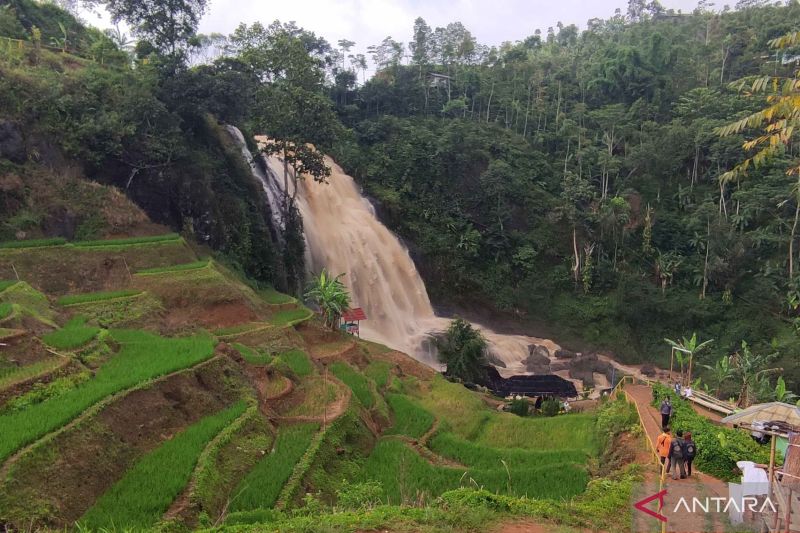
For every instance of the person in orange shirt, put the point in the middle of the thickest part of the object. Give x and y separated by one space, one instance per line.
662 445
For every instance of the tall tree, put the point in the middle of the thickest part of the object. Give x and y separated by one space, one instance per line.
167 24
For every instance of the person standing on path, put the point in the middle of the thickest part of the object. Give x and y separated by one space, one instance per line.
690 450
676 455
666 411
662 446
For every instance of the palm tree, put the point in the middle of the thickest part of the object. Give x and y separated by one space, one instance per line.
721 372
685 350
749 369
330 295
462 350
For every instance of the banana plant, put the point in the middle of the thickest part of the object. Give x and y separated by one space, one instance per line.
330 295
685 350
721 372
782 394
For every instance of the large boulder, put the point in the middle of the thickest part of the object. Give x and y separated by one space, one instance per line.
538 360
565 354
12 144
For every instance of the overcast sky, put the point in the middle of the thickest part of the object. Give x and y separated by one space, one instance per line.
368 21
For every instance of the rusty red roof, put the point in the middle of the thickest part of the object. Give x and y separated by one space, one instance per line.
355 314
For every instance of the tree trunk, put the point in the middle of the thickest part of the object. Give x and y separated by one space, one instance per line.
489 105
705 263
791 240
576 263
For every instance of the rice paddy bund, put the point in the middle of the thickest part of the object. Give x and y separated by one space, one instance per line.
285 426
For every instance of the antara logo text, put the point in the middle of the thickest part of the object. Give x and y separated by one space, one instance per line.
705 505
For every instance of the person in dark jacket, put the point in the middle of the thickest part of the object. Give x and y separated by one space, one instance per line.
676 455
666 411
689 451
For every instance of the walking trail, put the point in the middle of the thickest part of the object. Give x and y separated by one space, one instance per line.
699 485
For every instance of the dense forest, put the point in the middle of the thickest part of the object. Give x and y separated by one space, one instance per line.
572 178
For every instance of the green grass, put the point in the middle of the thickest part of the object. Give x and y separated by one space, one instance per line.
298 362
474 455
143 356
251 355
405 476
239 328
140 498
90 297
451 401
6 283
74 334
262 486
16 374
356 381
318 394
153 239
176 268
379 372
33 243
290 316
541 433
6 309
409 418
271 296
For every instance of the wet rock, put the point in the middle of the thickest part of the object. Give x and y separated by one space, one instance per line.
648 370
493 359
558 366
538 360
565 354
12 144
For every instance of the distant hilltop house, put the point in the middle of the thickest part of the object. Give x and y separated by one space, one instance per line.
439 80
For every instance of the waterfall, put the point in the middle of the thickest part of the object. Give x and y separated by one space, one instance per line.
344 235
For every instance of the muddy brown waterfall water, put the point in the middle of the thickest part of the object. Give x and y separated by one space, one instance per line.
344 235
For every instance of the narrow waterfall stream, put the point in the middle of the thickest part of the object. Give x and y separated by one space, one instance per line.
344 235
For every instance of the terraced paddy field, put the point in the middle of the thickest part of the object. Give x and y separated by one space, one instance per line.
142 386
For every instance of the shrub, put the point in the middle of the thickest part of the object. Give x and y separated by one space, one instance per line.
141 497
551 407
365 495
718 447
519 407
73 335
76 299
409 418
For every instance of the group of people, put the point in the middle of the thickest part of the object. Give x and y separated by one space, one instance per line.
676 452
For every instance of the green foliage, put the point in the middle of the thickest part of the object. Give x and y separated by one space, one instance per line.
74 334
143 356
551 407
76 299
131 241
44 391
538 433
141 497
176 268
484 457
33 243
379 372
330 295
718 447
520 407
261 487
271 296
252 355
356 381
359 496
409 418
407 477
298 362
6 308
615 417
14 374
291 317
4 284
462 351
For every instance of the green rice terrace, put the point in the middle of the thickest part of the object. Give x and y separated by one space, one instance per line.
144 385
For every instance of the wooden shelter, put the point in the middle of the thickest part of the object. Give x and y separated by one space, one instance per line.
351 320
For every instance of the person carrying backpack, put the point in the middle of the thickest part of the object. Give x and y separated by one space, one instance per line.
662 446
666 411
690 449
676 455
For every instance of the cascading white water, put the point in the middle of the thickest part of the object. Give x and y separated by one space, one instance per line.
344 235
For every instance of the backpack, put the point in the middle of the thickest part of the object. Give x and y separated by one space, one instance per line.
690 449
677 448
